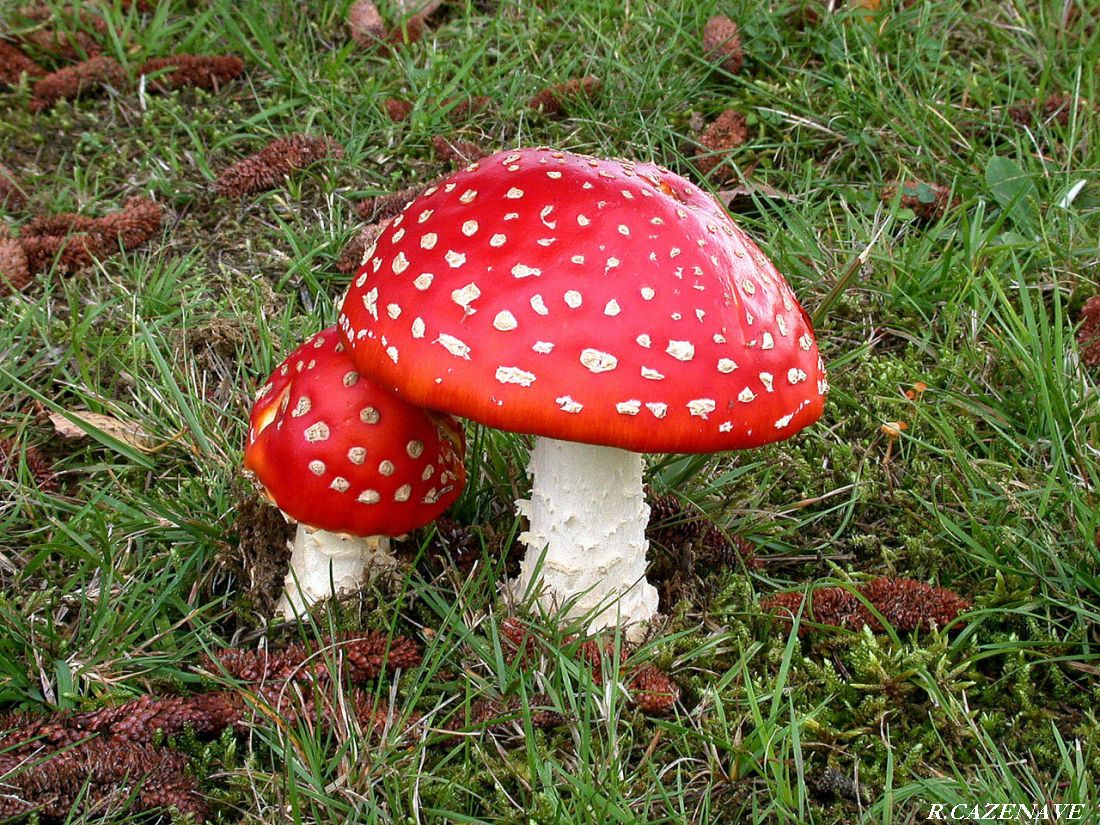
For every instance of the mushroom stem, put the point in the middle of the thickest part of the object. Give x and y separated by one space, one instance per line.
586 541
324 563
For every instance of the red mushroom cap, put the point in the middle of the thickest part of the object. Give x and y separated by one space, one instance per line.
600 301
336 452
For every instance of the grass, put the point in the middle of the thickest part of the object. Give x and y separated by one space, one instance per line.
110 588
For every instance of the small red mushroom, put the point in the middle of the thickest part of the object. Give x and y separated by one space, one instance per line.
352 464
607 306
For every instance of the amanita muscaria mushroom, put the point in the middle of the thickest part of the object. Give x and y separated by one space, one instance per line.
351 463
609 307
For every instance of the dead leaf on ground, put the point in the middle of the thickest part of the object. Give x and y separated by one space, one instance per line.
730 198
124 431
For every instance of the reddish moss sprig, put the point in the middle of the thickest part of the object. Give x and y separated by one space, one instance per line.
928 201
352 256
14 62
728 131
906 604
674 528
1056 108
460 151
10 452
15 271
397 110
382 207
191 71
97 773
555 100
363 656
74 81
1088 334
722 43
266 168
66 45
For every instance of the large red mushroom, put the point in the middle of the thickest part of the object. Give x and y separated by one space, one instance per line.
607 306
352 464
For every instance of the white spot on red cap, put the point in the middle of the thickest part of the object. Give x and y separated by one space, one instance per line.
428 472
387 468
539 305
567 404
369 497
455 259
392 352
746 396
303 406
464 296
400 263
514 193
468 196
415 448
725 427
651 374
658 408
766 341
403 492
469 228
317 467
454 346
369 415
672 253
543 347
631 407
805 341
397 236
781 323
573 299
582 220
423 281
350 379
394 311
357 455
767 379
514 375
612 308
648 293
524 271
644 340
596 361
577 259
624 230
701 407
553 174
546 210
726 365
505 321
719 338
340 484
418 328
784 421
498 239
511 216
681 350
317 432
428 240
795 375
427 213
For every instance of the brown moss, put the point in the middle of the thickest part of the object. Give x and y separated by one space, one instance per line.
366 24
397 110
98 774
387 206
90 76
364 656
450 150
258 559
14 63
906 604
1088 338
191 71
928 201
72 38
728 131
11 454
722 43
15 272
1056 108
555 100
352 256
266 168
652 691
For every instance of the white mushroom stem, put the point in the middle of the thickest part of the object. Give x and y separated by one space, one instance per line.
323 564
587 516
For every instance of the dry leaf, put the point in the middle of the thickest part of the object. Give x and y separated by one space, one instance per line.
746 191
124 431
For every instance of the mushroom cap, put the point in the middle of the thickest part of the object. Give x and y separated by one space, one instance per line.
601 301
336 452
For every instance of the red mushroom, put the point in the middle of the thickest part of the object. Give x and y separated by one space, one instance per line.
590 302
350 463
